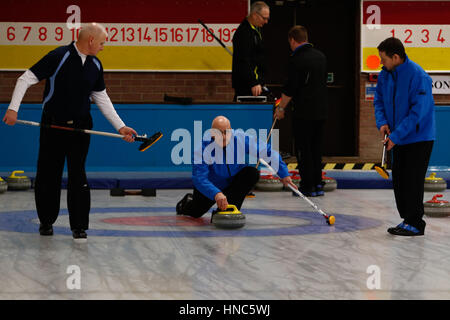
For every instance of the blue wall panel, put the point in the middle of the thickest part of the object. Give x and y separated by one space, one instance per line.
440 155
19 143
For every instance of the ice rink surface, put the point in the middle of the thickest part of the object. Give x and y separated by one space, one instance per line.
138 249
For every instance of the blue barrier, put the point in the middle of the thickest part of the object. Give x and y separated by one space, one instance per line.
440 156
19 143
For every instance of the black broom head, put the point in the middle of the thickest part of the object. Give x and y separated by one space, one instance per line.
148 142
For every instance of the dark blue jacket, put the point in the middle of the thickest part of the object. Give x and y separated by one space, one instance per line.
404 101
211 178
69 83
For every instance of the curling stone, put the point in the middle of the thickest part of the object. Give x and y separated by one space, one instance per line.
437 208
3 185
18 182
267 182
433 183
231 218
329 184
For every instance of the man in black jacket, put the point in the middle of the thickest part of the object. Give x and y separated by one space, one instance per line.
248 53
307 87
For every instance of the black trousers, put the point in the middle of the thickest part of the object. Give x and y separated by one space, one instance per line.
241 185
409 168
55 147
308 142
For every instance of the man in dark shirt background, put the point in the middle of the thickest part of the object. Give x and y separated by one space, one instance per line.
248 52
307 88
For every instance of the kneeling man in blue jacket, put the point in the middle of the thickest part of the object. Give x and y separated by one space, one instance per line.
404 111
220 174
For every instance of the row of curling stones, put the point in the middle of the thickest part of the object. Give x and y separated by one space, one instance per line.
435 184
437 208
18 182
3 185
230 218
267 182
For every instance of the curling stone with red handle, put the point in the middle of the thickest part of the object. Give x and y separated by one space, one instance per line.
437 208
267 182
329 184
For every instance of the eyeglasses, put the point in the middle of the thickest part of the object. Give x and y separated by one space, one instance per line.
264 18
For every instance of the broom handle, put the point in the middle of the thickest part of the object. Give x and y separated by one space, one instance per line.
217 39
384 151
100 133
268 137
294 190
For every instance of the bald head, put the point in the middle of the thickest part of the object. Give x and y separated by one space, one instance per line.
92 38
221 123
92 29
221 130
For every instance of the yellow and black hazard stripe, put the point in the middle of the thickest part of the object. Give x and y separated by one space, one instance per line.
342 166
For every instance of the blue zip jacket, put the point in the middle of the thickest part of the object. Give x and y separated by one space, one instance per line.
211 178
404 101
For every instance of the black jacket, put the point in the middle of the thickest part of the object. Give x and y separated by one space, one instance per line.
248 56
307 83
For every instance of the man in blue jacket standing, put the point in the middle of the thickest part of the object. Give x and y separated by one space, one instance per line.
221 176
404 111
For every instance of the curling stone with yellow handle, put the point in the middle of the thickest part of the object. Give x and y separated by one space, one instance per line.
433 183
3 185
18 182
230 218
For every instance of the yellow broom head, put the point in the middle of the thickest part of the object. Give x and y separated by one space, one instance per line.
382 172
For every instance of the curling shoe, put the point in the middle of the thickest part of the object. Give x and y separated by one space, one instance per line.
404 229
79 235
319 190
180 205
306 192
46 229
390 230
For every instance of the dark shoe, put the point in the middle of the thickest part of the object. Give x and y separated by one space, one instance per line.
306 192
406 230
79 235
319 190
46 230
180 205
390 230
